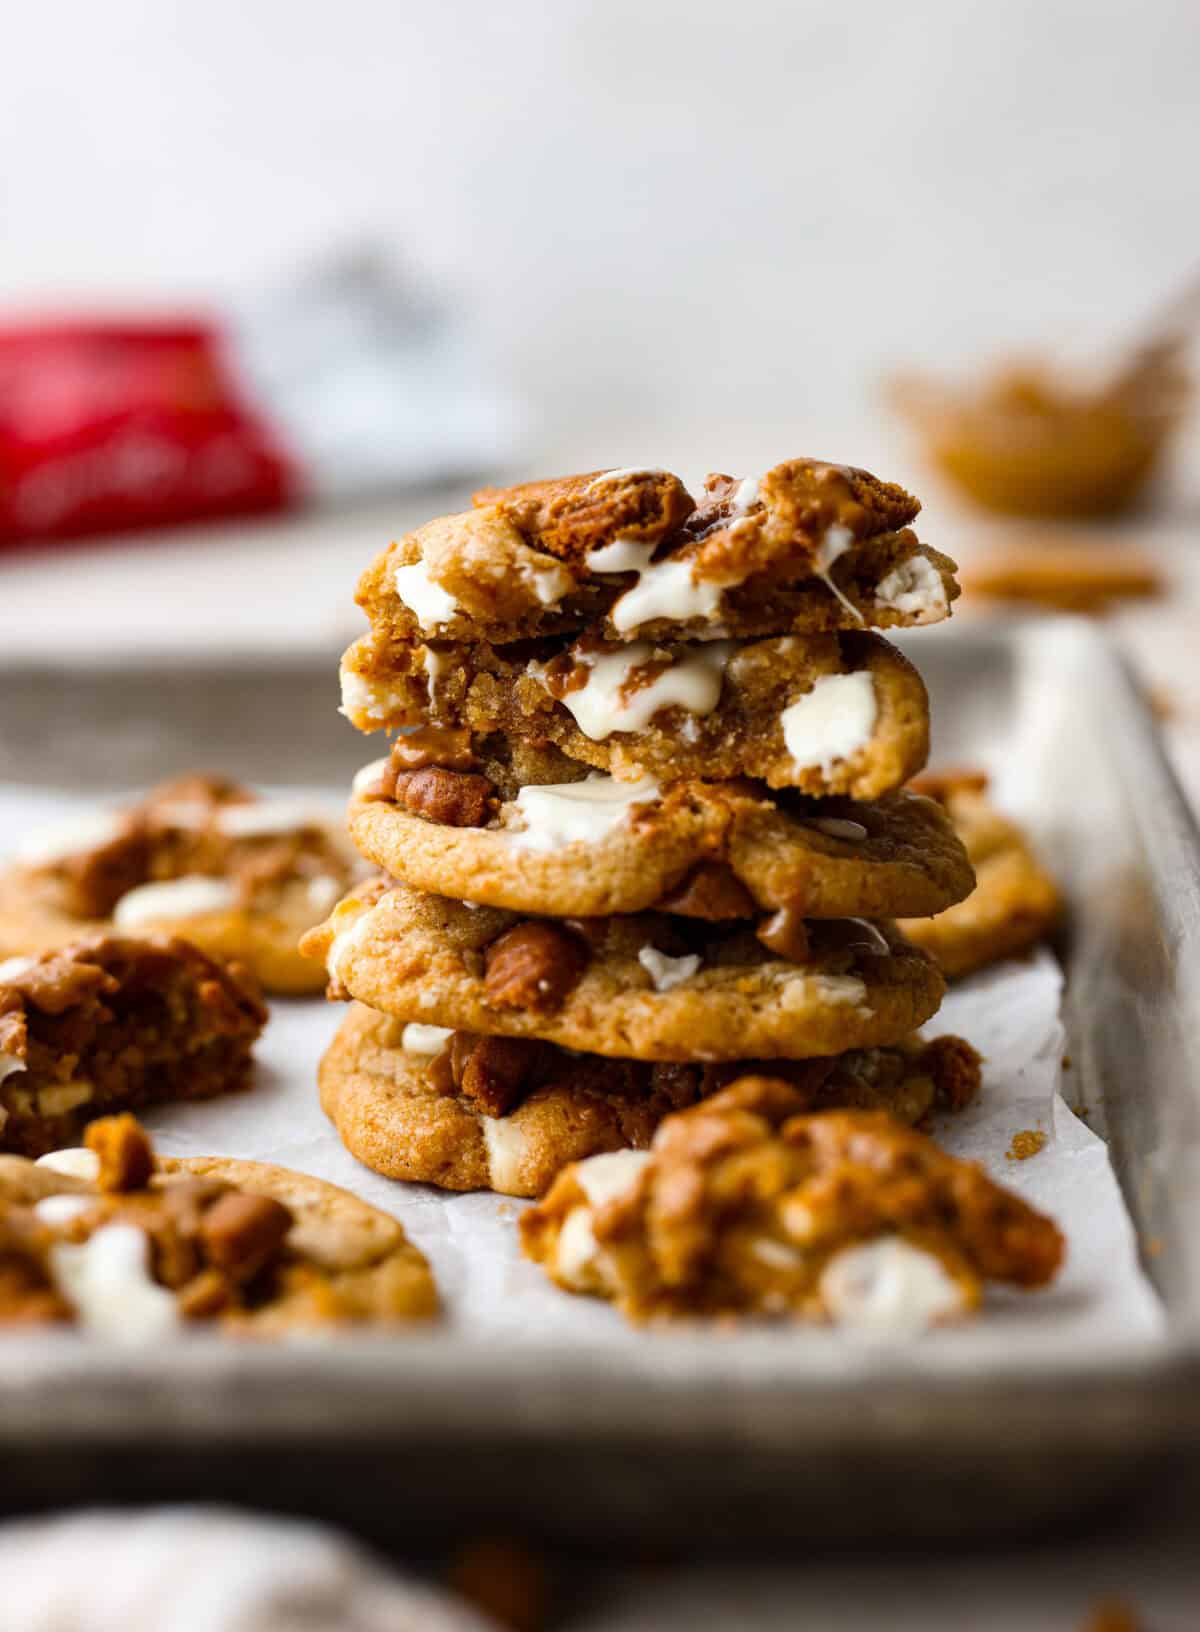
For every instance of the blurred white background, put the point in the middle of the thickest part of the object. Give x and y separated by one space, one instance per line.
699 221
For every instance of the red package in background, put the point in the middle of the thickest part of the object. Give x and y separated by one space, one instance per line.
107 427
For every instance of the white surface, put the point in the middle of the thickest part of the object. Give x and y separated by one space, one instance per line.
649 207
193 1569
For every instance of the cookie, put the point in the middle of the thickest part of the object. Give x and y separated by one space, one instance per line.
1066 577
558 844
807 547
827 714
114 1023
1015 904
138 1250
745 1205
240 877
647 987
490 1113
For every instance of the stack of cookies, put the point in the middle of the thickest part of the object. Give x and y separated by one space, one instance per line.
645 830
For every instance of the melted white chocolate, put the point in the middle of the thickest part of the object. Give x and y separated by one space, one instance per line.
889 1287
561 813
432 605
192 896
915 590
606 703
832 721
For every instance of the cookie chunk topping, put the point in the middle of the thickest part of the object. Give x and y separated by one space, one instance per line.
746 1205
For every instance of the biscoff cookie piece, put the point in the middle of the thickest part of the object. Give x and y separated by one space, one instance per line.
508 825
135 1250
828 714
745 1205
115 1022
468 1112
807 547
1015 903
239 876
647 987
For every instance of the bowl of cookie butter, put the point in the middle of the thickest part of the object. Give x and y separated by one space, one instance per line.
1027 437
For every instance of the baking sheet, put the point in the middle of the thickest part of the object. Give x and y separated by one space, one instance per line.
1011 1014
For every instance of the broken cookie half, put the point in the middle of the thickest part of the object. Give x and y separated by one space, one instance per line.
115 1022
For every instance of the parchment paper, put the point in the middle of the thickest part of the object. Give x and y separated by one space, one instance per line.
1011 1014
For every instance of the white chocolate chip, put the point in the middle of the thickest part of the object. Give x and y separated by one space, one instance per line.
888 1286
58 1210
561 813
426 1040
76 1162
370 703
606 702
72 837
576 1251
424 596
614 1173
369 775
192 896
667 589
346 941
324 893
107 1281
10 968
839 827
915 590
621 474
832 721
666 972
263 818
507 1147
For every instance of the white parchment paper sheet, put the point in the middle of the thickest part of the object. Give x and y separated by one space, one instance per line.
1011 1014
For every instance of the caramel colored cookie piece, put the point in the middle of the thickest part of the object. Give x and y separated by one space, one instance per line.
650 987
201 857
1015 903
807 547
828 715
117 1022
409 1102
746 1205
139 1250
560 845
1065 577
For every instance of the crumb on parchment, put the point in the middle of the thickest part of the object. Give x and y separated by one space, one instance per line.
1025 1144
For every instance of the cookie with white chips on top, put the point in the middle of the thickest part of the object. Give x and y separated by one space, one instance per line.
806 547
201 857
827 714
521 826
647 987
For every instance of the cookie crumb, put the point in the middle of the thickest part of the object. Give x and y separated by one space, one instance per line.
1066 1062
1025 1144
506 1580
1154 1246
1113 1615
